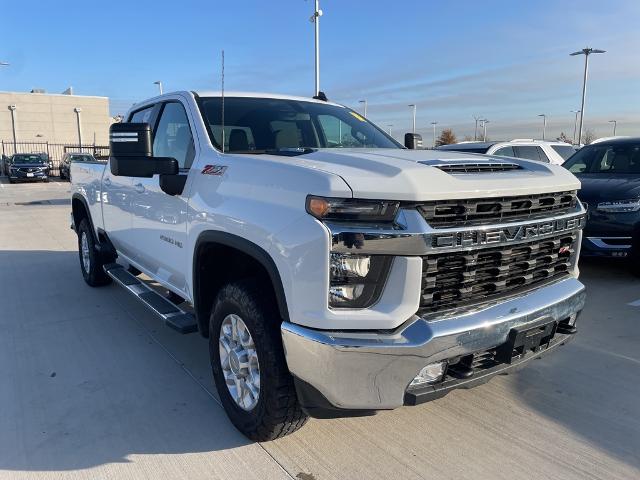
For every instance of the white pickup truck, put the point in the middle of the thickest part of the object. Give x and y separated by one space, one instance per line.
334 272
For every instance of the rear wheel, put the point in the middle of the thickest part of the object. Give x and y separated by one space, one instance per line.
90 262
248 363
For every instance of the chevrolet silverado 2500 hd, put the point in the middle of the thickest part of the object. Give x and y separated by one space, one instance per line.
334 272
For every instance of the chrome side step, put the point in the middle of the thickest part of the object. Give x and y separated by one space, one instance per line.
174 317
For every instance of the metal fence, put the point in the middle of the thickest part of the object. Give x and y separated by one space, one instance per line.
55 151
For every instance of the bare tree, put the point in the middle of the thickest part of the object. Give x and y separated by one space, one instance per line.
588 136
468 138
563 138
447 137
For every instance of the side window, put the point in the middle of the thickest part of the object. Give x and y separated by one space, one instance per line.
142 116
505 151
543 156
530 152
173 136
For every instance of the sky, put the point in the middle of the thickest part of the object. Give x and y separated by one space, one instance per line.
507 61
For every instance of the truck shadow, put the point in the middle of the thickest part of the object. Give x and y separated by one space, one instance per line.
591 386
85 383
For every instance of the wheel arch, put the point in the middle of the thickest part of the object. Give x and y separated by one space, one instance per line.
231 247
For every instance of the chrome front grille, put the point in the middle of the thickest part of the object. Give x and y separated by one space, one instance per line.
486 211
456 279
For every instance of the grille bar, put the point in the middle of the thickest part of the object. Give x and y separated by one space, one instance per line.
459 168
455 279
484 211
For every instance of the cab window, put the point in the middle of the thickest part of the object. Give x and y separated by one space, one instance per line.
505 151
142 116
173 136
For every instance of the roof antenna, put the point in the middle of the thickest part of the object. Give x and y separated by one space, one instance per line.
223 100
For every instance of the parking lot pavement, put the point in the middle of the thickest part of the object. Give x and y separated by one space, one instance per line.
94 386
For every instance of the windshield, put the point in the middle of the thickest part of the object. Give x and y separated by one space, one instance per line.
261 125
27 159
81 158
612 159
565 151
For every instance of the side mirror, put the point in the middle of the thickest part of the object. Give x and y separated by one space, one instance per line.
131 152
413 140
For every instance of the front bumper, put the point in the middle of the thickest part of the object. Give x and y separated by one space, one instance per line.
366 371
607 246
22 176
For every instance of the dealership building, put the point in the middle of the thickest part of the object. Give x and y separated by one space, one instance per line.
39 117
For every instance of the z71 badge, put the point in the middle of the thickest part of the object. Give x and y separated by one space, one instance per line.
216 170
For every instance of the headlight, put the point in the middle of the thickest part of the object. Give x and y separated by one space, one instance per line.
353 209
357 280
620 206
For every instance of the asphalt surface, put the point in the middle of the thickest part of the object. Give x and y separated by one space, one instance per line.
94 386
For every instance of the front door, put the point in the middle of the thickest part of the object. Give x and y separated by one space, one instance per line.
160 220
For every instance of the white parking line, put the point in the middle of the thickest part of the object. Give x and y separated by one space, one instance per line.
635 304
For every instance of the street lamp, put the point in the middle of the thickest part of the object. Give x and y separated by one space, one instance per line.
575 125
365 107
484 128
586 52
315 19
544 125
13 127
159 83
434 133
78 110
615 124
475 132
414 116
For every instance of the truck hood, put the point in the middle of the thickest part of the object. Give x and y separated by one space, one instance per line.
417 175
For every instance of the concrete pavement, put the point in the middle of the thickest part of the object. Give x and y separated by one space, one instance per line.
94 386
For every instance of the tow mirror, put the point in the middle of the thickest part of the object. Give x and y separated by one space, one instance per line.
413 140
131 153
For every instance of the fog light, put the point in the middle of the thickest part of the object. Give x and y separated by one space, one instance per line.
350 265
345 293
432 373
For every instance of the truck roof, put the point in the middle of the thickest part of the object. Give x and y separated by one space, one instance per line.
217 93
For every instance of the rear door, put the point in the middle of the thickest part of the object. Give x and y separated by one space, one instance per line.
117 197
160 220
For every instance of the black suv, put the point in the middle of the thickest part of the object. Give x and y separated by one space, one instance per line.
28 167
610 176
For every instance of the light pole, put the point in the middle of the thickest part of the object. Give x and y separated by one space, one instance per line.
315 19
615 124
78 110
475 132
13 127
586 52
159 83
389 127
484 129
434 133
544 125
365 107
414 116
575 125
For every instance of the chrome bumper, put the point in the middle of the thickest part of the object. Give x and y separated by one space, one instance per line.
372 370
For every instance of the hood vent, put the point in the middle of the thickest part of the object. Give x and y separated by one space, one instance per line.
460 168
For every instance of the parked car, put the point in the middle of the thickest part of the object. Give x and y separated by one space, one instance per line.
610 175
548 152
28 167
68 158
334 272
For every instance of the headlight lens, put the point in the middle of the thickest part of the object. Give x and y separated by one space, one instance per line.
357 280
353 209
620 206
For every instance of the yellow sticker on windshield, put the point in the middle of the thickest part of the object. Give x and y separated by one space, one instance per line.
357 116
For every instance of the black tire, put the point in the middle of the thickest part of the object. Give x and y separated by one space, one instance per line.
94 275
277 412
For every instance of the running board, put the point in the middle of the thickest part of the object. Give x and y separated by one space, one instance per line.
174 317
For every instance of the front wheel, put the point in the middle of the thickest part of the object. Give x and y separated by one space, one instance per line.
248 363
90 262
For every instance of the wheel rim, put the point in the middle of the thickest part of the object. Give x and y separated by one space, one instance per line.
84 250
239 361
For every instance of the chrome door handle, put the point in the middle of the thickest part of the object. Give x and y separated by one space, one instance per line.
139 187
107 182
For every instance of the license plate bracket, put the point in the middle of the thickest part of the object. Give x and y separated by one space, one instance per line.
530 338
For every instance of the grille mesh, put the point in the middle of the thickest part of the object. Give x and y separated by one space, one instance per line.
453 213
456 279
